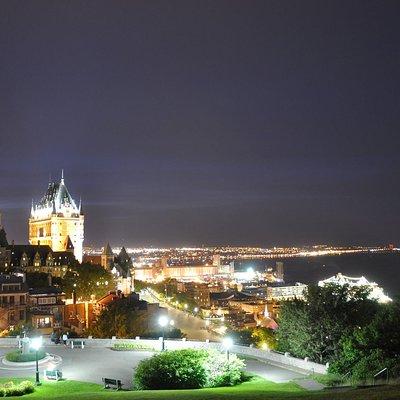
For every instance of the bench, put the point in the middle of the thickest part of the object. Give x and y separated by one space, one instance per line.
55 374
77 343
108 382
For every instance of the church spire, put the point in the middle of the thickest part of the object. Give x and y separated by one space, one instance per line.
62 176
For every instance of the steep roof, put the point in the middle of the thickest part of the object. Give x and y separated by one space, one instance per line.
46 291
57 199
107 251
17 250
124 260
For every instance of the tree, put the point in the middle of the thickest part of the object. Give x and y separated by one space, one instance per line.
313 327
264 337
124 319
87 280
366 350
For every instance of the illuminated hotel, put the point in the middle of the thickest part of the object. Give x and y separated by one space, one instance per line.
57 221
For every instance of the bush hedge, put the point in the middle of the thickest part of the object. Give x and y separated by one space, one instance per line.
132 346
11 389
18 356
188 369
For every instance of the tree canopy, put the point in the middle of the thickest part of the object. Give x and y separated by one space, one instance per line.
313 327
88 279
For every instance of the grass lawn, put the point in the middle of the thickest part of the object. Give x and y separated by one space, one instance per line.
256 389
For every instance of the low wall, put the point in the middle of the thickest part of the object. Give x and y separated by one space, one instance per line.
284 360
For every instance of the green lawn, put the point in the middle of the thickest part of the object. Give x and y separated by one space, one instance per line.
256 389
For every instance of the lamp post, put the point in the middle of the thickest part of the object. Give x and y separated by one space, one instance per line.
36 344
227 343
163 322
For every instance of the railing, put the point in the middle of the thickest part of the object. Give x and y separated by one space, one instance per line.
347 374
381 372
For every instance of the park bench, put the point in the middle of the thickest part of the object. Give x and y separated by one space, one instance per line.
109 382
77 343
55 374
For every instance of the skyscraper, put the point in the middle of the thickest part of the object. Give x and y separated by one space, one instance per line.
57 221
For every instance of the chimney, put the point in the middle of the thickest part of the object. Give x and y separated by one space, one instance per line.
73 297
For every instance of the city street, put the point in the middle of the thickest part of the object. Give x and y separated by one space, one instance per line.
92 364
193 327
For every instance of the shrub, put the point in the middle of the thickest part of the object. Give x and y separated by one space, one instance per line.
18 356
132 346
27 387
180 369
10 389
220 371
188 369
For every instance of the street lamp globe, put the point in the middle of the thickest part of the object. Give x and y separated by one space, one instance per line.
172 322
163 321
227 343
36 343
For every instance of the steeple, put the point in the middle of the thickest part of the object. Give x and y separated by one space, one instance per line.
107 250
3 235
62 177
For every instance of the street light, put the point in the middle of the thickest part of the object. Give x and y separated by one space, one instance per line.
196 309
163 321
36 344
227 343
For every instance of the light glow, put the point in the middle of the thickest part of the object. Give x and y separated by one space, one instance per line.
36 343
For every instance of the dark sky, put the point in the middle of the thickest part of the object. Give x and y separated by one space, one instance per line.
205 122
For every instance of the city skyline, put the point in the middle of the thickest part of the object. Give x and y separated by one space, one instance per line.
181 124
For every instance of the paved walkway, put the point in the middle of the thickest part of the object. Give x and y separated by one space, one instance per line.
309 384
92 364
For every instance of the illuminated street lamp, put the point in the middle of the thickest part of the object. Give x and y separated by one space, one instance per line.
196 309
163 321
227 343
186 306
36 344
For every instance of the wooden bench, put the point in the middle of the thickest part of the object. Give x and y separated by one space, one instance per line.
77 343
109 382
55 374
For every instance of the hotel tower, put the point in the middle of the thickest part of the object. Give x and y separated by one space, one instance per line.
57 221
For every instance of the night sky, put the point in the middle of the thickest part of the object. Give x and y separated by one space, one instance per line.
205 122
